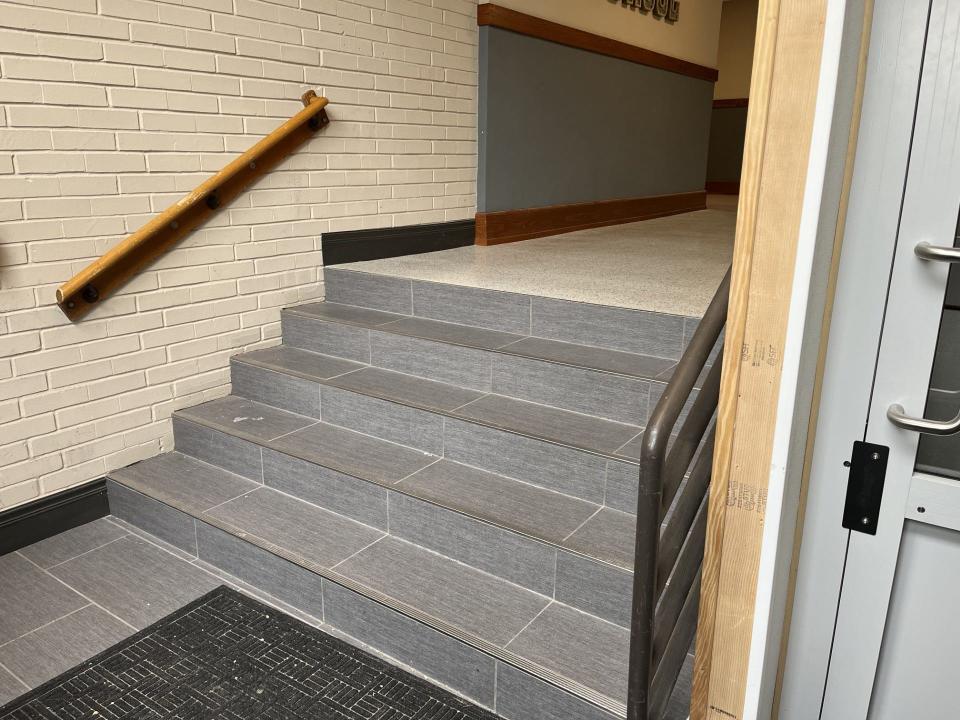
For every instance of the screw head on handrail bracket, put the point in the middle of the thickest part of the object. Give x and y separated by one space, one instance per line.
90 294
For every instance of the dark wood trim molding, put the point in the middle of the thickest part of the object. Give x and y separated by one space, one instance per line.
356 245
723 187
37 520
512 225
731 103
501 17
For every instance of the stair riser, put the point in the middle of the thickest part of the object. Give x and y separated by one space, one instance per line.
564 469
444 659
591 392
635 331
513 556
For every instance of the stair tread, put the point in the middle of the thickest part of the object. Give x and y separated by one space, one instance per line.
483 605
442 331
184 482
528 509
614 361
245 418
566 427
485 609
566 353
406 389
609 536
353 453
578 646
562 520
296 526
347 313
303 362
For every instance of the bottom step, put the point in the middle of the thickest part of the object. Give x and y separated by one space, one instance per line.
505 647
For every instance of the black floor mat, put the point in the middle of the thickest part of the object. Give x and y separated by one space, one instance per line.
226 655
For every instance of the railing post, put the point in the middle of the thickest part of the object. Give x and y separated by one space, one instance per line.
644 580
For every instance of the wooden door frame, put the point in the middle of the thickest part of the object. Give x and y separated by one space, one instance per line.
798 157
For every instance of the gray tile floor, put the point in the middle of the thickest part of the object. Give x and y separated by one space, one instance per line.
69 597
72 596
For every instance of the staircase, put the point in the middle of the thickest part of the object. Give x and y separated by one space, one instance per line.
445 474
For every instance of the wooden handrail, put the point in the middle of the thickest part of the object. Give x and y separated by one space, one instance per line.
103 276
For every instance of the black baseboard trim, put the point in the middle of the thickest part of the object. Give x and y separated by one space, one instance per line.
46 517
356 245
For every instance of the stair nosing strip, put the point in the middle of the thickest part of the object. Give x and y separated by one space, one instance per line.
395 487
503 350
450 414
560 681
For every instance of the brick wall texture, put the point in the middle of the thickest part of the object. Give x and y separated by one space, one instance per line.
110 110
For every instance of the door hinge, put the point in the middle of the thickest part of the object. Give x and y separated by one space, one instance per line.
868 470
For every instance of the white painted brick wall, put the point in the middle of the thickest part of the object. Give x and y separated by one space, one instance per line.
110 110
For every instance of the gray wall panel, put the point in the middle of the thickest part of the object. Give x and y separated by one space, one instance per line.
561 125
727 132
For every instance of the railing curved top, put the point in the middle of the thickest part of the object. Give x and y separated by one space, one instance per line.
105 275
665 415
666 580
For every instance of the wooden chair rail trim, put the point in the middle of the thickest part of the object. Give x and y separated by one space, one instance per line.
498 16
726 103
102 277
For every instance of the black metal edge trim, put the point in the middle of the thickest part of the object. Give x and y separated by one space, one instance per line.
378 243
51 515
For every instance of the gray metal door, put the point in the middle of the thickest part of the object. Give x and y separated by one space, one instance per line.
879 597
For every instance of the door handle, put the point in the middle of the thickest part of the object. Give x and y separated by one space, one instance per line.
940 253
896 415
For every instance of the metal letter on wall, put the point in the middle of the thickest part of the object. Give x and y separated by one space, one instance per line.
668 10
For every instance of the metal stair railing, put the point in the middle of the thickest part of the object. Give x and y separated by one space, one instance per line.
672 519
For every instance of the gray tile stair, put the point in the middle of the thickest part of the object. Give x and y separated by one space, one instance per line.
546 515
481 604
584 432
316 534
412 413
613 384
626 330
382 589
504 526
446 474
578 646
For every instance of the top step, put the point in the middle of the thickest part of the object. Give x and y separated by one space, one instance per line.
526 318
